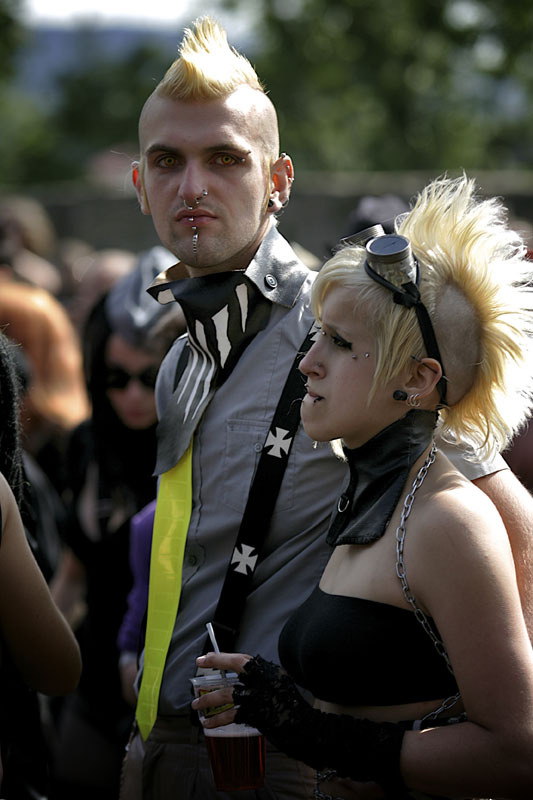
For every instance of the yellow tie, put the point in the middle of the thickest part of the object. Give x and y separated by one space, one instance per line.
171 522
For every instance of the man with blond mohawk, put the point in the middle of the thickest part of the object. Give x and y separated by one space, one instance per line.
244 498
211 175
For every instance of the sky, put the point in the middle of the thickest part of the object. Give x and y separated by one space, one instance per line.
152 12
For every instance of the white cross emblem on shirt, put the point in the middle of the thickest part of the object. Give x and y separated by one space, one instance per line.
245 560
278 442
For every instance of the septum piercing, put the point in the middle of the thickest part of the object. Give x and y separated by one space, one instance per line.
196 201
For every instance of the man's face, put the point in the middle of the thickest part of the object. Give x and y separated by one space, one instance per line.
189 148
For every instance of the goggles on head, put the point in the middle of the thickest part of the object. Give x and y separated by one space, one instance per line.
391 263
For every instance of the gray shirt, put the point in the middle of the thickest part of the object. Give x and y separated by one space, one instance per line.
226 448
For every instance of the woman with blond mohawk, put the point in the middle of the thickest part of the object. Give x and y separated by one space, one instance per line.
414 641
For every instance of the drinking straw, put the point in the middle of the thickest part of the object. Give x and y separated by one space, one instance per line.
216 648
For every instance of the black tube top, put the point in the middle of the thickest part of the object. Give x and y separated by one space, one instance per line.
353 651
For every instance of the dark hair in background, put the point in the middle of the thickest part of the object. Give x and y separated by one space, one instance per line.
10 447
126 457
376 209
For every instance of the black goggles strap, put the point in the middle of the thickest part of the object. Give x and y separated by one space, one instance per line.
408 295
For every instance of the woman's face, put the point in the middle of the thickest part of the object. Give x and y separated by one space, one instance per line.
130 380
340 370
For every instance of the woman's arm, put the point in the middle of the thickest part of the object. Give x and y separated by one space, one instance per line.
461 569
515 505
34 631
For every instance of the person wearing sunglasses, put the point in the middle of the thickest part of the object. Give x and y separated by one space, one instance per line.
414 641
110 465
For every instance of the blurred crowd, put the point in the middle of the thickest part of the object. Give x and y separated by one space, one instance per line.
87 343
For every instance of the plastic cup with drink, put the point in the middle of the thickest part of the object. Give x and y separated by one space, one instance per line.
236 751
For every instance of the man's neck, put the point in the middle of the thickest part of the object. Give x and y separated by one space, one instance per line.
238 262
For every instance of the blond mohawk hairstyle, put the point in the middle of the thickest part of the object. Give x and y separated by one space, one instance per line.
476 285
207 67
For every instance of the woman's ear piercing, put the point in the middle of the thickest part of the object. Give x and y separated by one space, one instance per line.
400 395
270 203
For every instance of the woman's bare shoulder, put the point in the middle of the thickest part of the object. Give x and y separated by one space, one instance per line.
458 532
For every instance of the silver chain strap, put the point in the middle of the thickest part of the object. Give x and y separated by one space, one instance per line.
449 702
400 565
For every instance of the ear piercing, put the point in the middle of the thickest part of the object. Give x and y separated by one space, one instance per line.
196 201
412 400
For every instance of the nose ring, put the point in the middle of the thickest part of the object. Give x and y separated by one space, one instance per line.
196 201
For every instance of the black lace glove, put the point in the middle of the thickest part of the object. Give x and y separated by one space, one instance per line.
355 748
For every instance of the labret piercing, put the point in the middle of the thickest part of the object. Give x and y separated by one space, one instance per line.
196 201
191 219
316 399
195 242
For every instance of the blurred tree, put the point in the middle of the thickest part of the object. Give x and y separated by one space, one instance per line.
99 105
94 106
376 85
358 84
11 34
23 129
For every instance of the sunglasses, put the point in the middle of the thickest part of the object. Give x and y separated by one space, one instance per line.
118 378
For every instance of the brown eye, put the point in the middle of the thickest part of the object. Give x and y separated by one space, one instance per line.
226 160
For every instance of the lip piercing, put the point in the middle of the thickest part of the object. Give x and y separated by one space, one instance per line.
195 242
196 201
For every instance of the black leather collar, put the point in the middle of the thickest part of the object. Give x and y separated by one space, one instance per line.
378 472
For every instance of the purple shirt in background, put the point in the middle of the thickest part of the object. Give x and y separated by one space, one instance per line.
140 545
